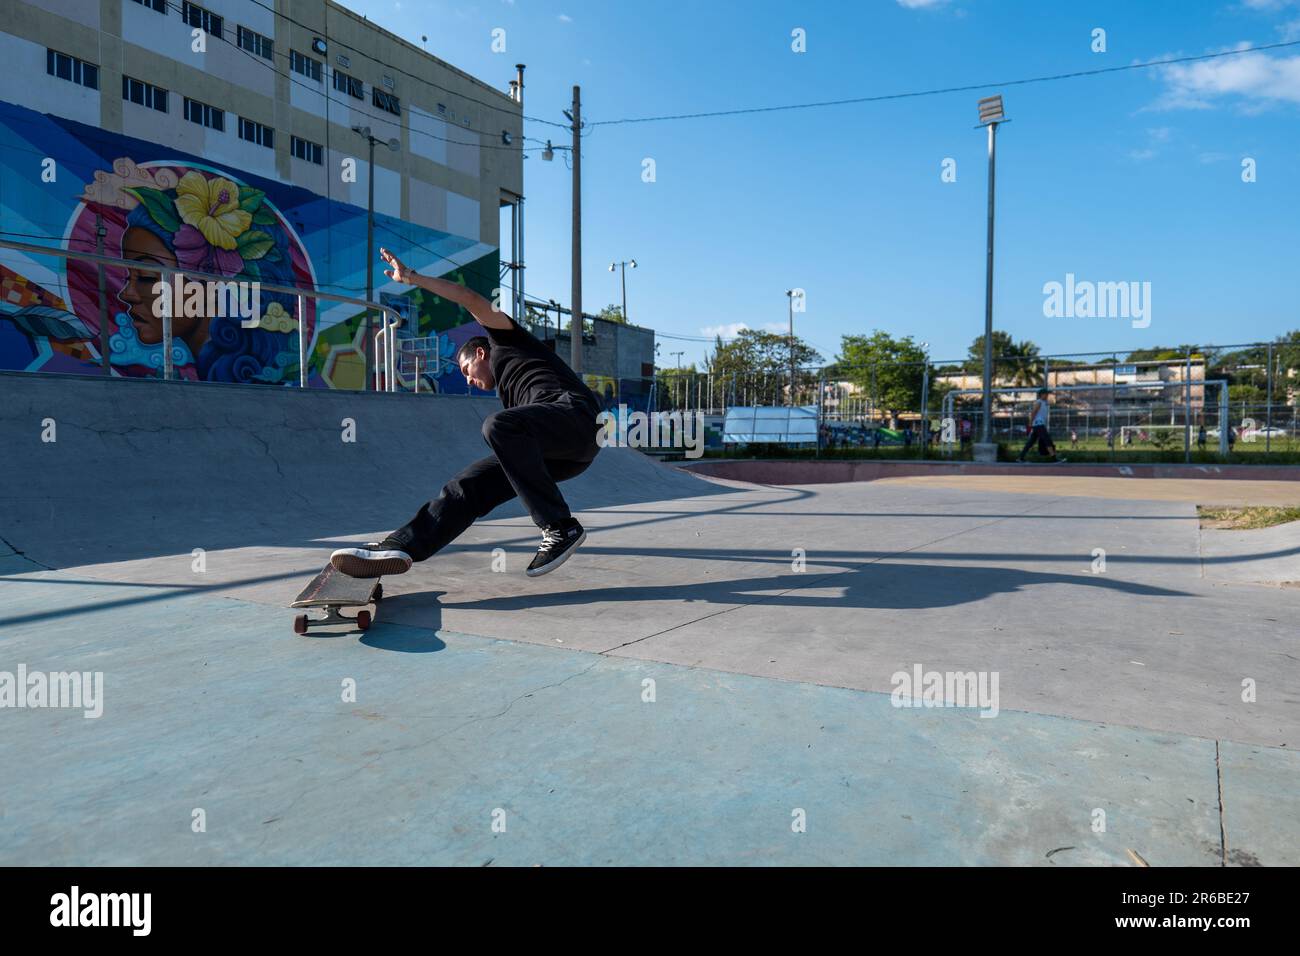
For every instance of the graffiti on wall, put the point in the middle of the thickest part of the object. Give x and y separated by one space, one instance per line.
154 206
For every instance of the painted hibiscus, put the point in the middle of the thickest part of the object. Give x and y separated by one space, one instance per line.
193 252
212 207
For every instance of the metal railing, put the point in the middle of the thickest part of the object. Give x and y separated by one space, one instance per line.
386 334
947 412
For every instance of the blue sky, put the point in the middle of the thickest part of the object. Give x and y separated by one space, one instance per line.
1132 177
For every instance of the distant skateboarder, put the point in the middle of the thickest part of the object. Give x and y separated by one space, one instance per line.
1039 434
545 433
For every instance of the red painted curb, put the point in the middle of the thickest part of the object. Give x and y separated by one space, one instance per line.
794 472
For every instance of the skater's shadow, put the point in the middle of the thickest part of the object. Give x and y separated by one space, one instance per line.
408 624
876 585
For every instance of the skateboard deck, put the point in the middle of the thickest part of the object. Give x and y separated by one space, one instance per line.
331 590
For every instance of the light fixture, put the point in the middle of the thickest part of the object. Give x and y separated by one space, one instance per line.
394 144
506 138
363 130
318 45
991 110
548 153
611 267
632 263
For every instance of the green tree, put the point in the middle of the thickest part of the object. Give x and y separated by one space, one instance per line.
762 359
1017 363
888 370
612 313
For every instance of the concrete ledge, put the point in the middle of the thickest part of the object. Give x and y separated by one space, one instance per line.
769 471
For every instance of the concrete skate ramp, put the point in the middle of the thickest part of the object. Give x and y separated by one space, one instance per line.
115 469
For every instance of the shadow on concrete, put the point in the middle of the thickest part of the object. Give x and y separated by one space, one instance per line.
876 585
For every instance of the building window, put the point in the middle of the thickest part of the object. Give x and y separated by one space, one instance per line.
158 5
145 94
348 84
255 43
256 133
304 149
197 16
386 101
305 65
205 115
70 68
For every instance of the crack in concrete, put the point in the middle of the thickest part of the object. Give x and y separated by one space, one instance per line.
1223 833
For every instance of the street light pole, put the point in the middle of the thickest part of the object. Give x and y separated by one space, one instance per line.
991 114
623 266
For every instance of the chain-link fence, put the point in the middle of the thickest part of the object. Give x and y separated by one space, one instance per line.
1214 403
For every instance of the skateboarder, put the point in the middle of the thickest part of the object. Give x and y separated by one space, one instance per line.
545 433
1039 434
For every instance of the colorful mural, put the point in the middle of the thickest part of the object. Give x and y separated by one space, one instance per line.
63 183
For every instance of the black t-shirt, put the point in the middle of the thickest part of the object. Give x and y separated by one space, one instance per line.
528 371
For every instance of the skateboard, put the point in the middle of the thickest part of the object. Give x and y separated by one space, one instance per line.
332 589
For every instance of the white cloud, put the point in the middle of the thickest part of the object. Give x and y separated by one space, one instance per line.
729 331
1256 80
920 4
564 18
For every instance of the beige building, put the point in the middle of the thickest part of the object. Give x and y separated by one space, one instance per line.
308 71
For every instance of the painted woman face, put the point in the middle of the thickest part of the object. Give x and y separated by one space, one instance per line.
138 295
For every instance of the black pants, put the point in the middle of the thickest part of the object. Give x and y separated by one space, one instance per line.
534 446
1045 444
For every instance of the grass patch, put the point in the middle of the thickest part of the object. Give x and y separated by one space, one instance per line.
1244 519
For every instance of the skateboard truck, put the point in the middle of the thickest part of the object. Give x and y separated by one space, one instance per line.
332 590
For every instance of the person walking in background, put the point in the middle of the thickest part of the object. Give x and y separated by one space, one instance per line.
1038 431
1200 438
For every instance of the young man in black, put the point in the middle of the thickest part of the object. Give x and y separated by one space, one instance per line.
545 433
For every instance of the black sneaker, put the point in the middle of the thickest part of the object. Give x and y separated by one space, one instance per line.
372 560
558 542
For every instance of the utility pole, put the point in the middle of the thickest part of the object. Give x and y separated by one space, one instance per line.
789 294
104 349
369 341
575 317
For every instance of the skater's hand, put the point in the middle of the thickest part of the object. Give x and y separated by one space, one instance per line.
398 272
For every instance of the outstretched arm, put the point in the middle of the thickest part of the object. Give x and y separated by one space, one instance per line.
479 307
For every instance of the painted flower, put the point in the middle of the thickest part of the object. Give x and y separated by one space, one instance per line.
194 253
212 207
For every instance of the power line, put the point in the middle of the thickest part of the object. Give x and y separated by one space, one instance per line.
949 89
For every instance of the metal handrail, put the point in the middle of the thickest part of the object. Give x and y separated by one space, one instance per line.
392 319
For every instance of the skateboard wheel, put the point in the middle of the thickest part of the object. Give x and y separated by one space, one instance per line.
379 593
363 619
300 624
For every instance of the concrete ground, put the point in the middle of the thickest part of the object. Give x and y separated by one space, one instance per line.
707 681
